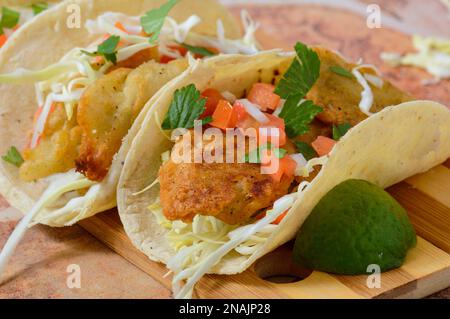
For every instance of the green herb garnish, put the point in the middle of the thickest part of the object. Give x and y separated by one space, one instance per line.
10 18
153 21
340 130
298 114
301 74
186 107
295 84
13 157
307 151
107 49
197 50
341 71
39 7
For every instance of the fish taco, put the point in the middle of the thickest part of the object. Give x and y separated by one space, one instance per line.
72 92
321 119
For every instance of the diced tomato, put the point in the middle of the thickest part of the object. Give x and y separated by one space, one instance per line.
120 26
98 59
3 39
280 218
274 122
164 59
323 145
240 111
260 216
286 166
213 97
262 95
223 116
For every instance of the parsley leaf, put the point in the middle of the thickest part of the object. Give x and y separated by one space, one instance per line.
340 130
39 7
153 21
307 151
197 50
13 157
341 71
297 115
107 49
186 107
302 73
10 18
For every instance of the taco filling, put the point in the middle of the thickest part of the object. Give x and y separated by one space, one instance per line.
231 204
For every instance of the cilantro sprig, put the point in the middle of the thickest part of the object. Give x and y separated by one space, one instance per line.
341 71
197 50
295 84
107 49
340 130
297 115
187 105
306 149
301 74
10 19
153 21
39 7
13 157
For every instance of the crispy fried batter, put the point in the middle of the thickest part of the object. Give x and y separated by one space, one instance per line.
57 150
108 108
340 96
316 128
101 120
232 192
137 59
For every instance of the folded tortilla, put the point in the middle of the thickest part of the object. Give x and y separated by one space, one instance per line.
44 41
389 146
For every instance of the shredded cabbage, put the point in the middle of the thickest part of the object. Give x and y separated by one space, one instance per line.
366 95
60 185
200 245
305 170
433 55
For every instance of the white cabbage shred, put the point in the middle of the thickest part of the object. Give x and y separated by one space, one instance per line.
202 244
433 55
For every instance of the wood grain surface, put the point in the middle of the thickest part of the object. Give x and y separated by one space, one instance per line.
39 267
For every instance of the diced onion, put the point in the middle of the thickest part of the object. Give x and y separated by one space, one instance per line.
230 97
299 159
254 111
279 108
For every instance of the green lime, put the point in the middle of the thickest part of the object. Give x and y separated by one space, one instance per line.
354 225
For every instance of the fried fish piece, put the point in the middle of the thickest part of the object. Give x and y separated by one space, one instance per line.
57 149
339 96
231 192
316 128
109 107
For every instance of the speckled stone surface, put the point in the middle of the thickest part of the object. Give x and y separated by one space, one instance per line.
38 269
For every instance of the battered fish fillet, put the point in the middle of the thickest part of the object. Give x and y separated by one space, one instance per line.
340 96
231 192
109 107
57 149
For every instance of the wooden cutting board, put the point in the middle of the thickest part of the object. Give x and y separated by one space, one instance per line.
426 197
